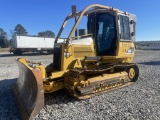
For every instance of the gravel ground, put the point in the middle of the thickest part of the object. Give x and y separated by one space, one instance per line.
140 101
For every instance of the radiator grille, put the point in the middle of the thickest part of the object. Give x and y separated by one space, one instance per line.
57 57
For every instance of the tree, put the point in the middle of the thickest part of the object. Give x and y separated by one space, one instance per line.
3 38
12 37
20 30
46 33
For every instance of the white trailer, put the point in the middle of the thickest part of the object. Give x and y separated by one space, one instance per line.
23 44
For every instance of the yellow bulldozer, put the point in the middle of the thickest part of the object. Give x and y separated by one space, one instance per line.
89 62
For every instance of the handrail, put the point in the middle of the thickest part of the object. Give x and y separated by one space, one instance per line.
80 14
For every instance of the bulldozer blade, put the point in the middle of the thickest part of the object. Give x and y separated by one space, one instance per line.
28 92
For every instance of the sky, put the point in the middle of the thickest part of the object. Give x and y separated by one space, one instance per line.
40 15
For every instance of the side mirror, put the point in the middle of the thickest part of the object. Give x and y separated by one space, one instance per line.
132 22
133 33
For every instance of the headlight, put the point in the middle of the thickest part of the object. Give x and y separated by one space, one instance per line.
66 54
130 51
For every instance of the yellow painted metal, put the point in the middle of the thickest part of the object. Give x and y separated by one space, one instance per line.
57 74
39 66
131 73
77 53
108 76
53 86
22 60
43 70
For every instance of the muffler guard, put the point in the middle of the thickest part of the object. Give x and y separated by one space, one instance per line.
28 92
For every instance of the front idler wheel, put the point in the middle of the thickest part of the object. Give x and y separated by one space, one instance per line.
133 73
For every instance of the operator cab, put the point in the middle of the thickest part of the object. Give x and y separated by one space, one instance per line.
103 27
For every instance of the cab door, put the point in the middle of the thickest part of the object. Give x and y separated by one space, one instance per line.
106 34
